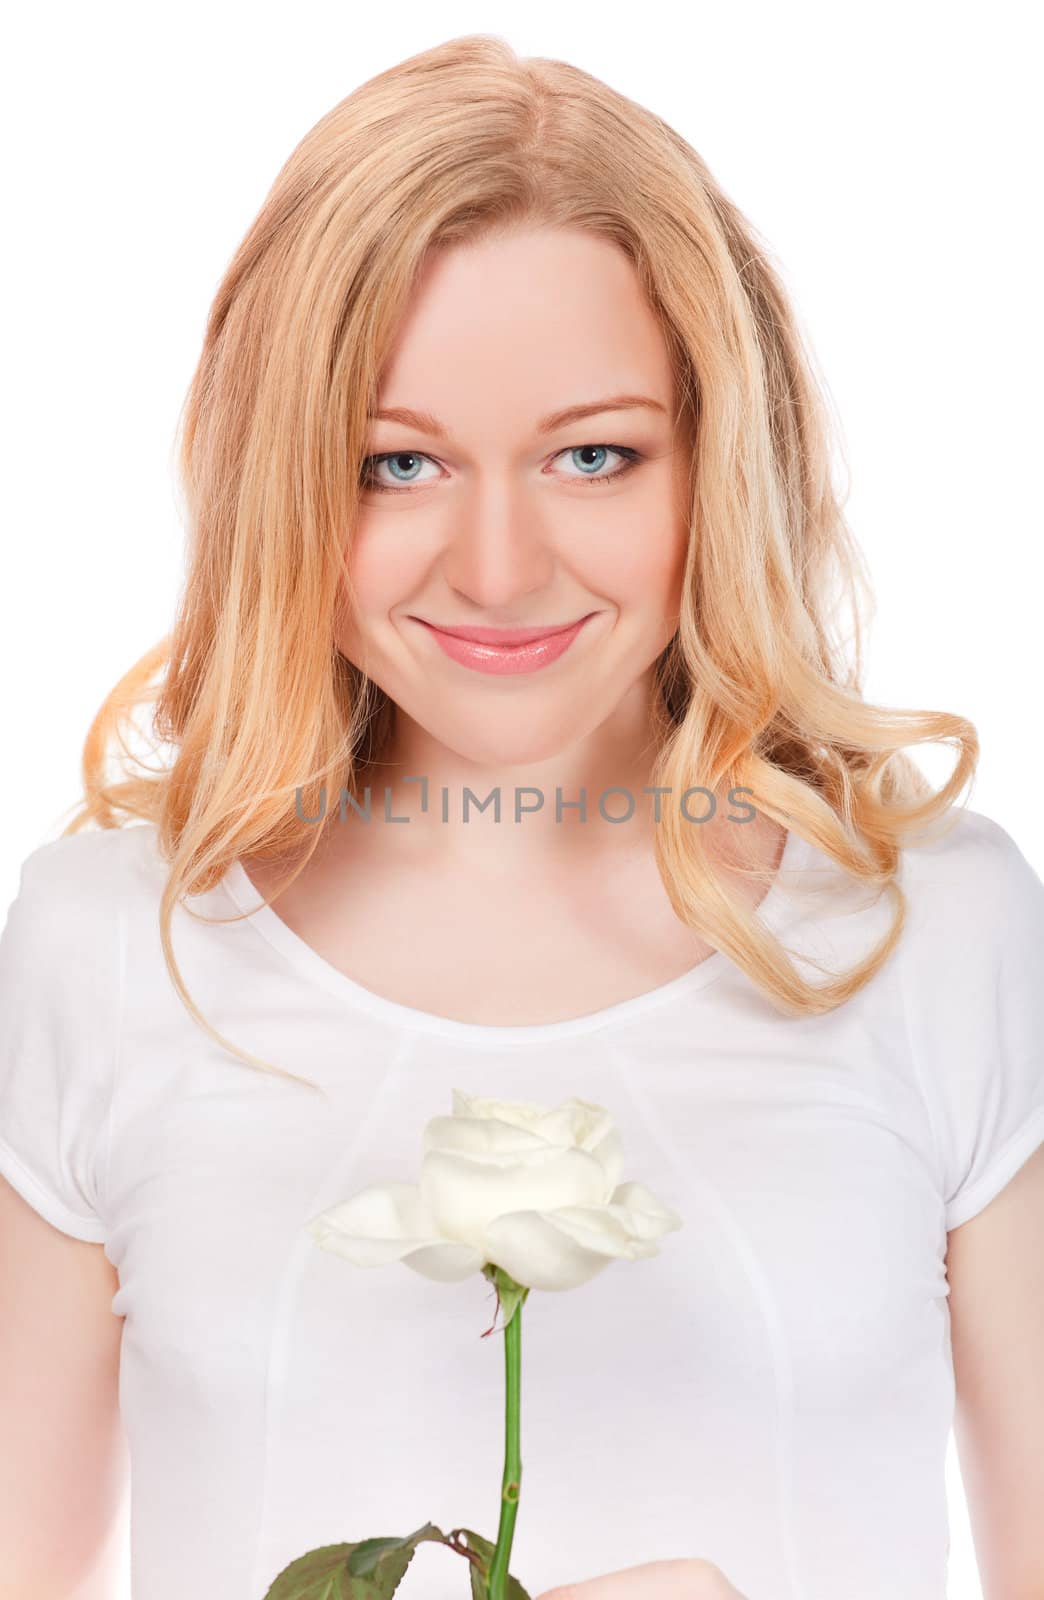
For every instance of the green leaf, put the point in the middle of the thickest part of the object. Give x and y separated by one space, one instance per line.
484 1550
372 1553
369 1570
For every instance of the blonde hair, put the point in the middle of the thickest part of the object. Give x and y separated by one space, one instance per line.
760 687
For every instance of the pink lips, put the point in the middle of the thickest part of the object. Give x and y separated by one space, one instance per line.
505 650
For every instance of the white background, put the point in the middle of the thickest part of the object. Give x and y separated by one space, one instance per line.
889 154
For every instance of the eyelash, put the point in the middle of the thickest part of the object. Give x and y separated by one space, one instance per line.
631 460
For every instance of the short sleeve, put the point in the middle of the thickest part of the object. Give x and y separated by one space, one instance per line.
977 983
59 972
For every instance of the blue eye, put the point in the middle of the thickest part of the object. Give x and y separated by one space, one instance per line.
588 449
395 459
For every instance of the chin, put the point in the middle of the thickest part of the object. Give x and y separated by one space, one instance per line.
504 747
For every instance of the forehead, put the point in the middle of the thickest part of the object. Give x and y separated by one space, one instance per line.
516 326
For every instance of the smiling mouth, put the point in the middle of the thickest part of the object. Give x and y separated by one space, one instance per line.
505 652
505 638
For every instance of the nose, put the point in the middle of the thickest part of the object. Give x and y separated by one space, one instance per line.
499 550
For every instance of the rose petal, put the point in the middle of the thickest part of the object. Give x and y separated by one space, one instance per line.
520 1113
481 1137
608 1151
564 1248
604 1230
379 1224
540 1255
445 1262
646 1216
464 1195
573 1124
389 1222
577 1122
481 1125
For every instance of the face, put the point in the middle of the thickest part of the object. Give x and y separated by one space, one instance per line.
491 513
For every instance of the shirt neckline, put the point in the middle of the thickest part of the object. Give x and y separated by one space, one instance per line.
771 912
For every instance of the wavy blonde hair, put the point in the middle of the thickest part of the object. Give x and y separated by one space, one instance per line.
760 686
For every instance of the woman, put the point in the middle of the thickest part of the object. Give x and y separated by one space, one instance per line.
498 354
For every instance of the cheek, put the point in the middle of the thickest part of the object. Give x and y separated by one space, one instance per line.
367 574
640 558
384 566
656 566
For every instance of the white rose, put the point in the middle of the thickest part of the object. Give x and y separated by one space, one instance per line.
530 1188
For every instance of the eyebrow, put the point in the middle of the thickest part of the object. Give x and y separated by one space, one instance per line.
424 422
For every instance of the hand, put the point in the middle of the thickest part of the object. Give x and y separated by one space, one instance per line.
654 1580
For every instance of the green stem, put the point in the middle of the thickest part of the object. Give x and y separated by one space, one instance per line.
512 1479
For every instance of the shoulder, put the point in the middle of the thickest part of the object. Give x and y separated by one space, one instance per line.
62 964
80 863
968 873
962 841
975 938
73 892
973 982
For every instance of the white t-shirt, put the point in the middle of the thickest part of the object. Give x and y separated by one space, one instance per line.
773 1391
